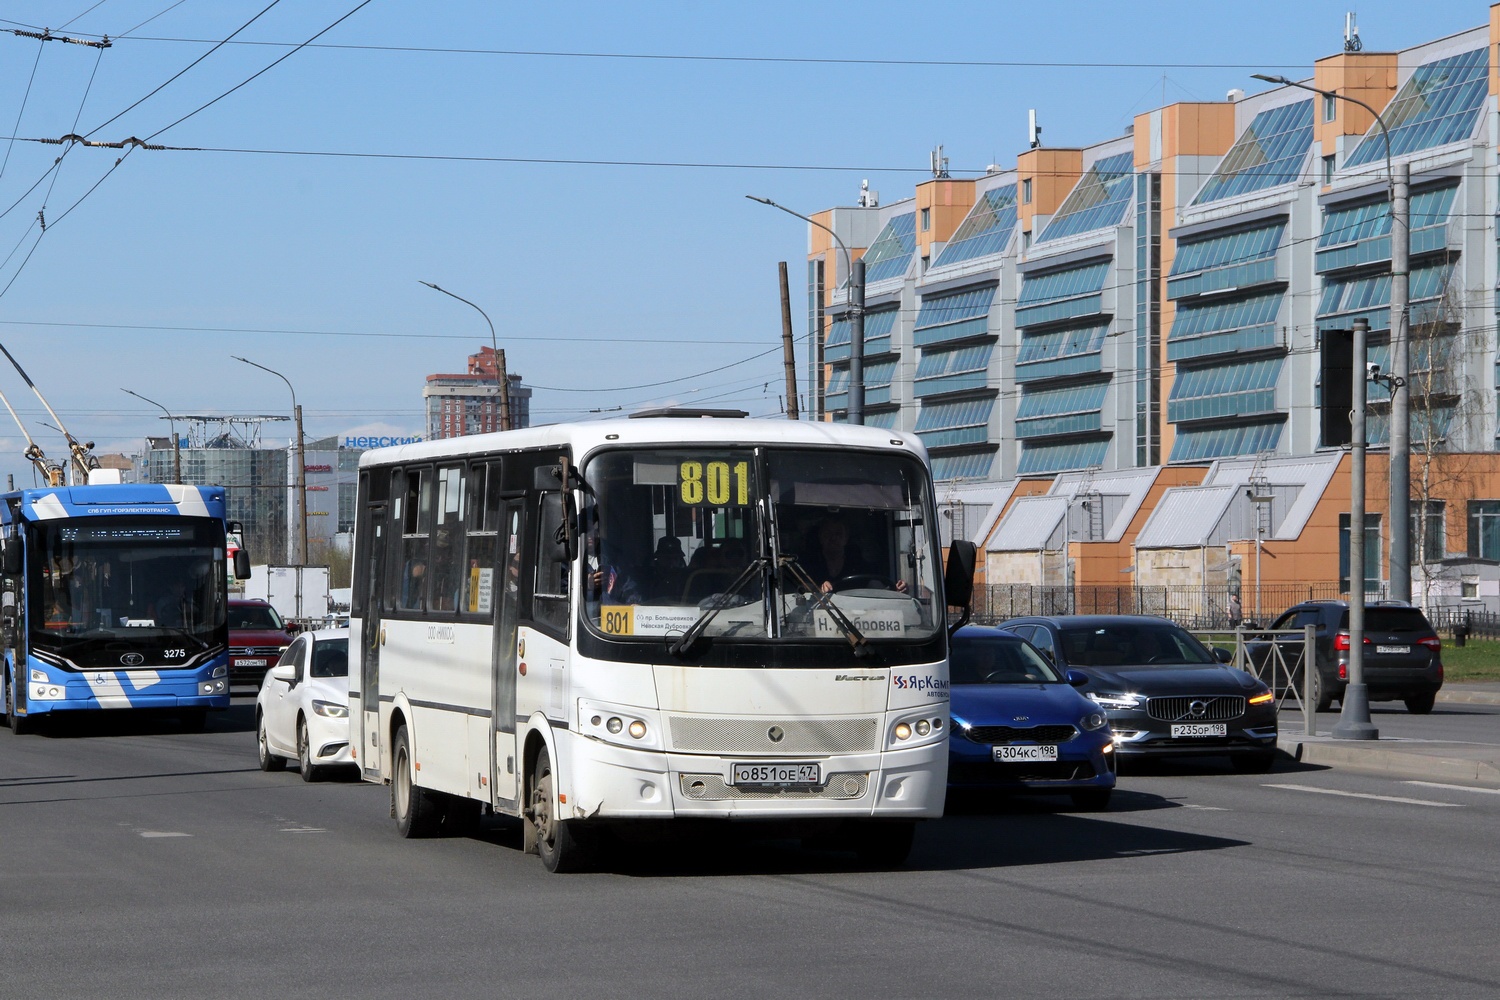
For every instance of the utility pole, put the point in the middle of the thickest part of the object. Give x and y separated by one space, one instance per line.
1400 436
788 355
1354 706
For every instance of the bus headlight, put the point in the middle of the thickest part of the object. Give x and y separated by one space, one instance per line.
915 730
38 676
636 728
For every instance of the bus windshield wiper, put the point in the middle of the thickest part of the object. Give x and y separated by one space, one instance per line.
720 602
824 601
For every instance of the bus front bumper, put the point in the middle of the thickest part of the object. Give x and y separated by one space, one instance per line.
103 689
609 782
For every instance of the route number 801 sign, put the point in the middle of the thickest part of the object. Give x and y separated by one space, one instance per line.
716 484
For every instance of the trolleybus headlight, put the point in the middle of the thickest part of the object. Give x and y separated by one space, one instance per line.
221 671
53 692
923 727
903 731
39 676
331 709
614 725
638 729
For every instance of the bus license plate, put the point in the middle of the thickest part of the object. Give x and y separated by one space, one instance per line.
1393 649
1024 753
780 775
1200 729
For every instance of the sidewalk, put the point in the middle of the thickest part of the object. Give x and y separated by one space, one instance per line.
1430 760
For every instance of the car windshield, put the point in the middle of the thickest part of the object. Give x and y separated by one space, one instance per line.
255 616
998 659
331 658
1131 644
760 543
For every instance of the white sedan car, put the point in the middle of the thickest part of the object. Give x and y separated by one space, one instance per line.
302 710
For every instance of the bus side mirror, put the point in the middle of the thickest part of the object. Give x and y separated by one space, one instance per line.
12 557
958 578
241 564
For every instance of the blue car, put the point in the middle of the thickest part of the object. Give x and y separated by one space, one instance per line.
1019 725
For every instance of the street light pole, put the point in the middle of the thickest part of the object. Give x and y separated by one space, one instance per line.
176 443
501 377
300 499
855 280
1354 705
1399 504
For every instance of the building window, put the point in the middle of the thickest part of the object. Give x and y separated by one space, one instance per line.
926 263
1025 241
1026 191
1429 530
1329 164
1372 552
1330 107
926 219
1484 529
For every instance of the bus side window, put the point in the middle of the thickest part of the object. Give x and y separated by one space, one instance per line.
447 563
550 593
483 541
413 514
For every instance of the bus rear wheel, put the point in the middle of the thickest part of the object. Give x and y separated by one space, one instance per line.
416 809
559 842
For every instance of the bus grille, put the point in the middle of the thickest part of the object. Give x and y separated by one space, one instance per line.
713 788
1181 709
697 734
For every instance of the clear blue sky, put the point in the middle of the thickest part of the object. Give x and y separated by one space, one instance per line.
601 279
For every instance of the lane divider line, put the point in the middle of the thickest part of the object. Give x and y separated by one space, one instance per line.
1366 795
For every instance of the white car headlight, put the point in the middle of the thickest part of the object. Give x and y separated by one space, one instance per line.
330 709
1112 699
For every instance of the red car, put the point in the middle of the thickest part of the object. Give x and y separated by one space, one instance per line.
257 636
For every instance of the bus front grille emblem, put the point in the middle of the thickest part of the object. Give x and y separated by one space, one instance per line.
132 659
775 733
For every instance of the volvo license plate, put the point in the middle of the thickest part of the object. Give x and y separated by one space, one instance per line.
1008 753
780 775
1190 729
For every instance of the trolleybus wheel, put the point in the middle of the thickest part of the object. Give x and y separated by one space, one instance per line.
268 760
19 724
305 765
415 808
557 840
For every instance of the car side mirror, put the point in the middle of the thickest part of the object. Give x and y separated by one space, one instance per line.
1077 678
284 672
1223 655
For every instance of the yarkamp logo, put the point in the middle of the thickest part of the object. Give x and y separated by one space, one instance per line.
934 686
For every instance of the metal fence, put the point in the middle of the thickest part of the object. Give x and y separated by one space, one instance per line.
1477 623
1191 607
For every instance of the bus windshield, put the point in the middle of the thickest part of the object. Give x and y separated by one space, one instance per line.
770 543
104 580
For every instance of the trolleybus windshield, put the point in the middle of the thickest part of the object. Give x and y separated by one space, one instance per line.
96 583
772 543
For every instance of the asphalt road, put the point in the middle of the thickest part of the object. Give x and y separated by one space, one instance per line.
145 862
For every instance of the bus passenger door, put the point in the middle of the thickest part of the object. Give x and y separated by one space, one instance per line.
373 543
506 766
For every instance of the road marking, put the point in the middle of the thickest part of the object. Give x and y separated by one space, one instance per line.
1363 795
162 833
1212 809
1456 788
303 829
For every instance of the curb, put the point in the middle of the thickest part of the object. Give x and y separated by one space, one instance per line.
1461 697
1394 763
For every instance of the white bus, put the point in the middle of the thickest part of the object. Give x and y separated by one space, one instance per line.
639 620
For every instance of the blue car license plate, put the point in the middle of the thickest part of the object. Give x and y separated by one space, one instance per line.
1008 753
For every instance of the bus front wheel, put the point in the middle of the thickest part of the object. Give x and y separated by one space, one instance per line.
558 841
416 809
19 724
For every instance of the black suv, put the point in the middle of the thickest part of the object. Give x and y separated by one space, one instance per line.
1403 655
